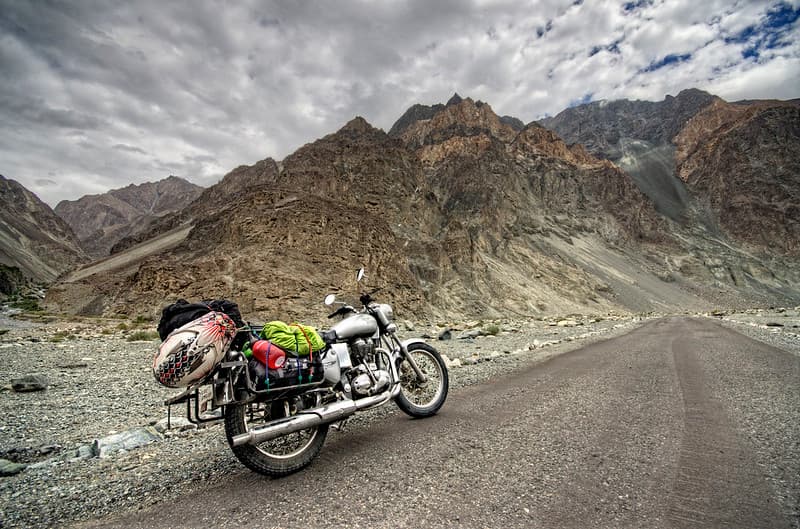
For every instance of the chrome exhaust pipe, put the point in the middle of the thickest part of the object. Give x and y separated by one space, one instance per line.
333 412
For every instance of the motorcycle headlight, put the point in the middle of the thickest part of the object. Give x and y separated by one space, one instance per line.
387 311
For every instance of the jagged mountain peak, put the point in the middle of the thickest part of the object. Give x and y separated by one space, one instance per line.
465 119
688 93
456 99
357 125
418 112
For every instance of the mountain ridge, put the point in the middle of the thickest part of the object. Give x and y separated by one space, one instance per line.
457 213
33 239
102 220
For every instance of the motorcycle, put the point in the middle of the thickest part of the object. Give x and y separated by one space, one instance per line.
279 430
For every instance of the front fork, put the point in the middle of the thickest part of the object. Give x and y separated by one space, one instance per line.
401 349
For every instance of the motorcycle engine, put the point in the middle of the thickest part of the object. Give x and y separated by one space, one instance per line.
362 348
366 378
363 384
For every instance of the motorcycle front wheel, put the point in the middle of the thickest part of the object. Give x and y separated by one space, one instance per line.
417 398
276 457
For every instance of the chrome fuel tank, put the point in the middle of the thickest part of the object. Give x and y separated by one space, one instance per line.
356 325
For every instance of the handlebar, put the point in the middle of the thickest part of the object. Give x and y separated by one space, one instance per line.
344 309
366 298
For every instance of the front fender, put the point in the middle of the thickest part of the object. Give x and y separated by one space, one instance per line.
405 343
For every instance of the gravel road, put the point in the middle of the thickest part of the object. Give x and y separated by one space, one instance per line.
680 423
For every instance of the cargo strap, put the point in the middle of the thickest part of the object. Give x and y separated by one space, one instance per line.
310 355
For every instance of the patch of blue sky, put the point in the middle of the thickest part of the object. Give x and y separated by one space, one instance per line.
666 61
770 33
633 6
613 48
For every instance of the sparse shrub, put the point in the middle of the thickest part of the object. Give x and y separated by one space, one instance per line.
60 336
142 336
122 326
27 304
493 330
142 320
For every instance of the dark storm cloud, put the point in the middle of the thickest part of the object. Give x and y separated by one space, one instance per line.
96 95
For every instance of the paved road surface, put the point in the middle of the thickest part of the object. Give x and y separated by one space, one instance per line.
681 423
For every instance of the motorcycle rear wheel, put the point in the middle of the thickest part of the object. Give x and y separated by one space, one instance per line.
422 399
277 457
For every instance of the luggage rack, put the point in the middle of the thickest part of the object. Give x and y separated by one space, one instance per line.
193 413
218 399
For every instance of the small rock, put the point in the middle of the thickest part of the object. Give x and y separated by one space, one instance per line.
77 365
84 452
29 383
42 464
567 323
175 423
470 335
126 440
47 449
9 468
446 334
448 362
408 325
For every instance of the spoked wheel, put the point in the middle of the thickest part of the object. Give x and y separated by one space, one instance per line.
276 457
418 398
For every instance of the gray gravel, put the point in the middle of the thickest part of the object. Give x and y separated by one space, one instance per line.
100 385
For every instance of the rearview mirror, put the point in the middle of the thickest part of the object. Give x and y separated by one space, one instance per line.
329 299
360 274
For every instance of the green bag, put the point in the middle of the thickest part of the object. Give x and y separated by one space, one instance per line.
295 338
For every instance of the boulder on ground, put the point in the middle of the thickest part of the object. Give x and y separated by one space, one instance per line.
127 440
9 468
27 383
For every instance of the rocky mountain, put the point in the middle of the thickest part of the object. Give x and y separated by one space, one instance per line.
457 212
729 168
636 136
34 242
242 180
604 126
742 163
100 221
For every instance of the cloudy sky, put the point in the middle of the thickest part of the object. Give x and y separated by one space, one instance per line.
96 95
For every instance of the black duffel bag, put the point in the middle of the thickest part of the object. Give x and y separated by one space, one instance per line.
182 312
